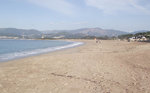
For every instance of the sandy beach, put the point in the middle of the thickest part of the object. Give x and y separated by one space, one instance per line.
109 67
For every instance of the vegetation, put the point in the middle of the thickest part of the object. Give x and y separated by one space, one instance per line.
146 34
127 36
101 37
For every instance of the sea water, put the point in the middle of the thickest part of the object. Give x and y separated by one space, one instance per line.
12 49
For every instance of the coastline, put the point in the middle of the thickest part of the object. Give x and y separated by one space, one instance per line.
35 52
109 67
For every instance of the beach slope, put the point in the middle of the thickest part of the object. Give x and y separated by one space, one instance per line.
108 67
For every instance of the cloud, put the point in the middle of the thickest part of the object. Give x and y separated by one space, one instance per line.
115 6
61 6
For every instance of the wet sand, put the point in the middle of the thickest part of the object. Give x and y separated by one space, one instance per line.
109 67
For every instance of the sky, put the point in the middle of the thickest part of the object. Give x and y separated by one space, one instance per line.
124 15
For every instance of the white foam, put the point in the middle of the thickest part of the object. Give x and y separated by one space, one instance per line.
15 55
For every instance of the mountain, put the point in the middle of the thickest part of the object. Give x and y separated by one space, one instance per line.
78 33
140 31
13 32
99 32
89 32
64 35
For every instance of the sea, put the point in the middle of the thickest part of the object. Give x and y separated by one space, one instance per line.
13 49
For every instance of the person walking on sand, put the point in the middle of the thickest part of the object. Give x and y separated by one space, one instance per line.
96 40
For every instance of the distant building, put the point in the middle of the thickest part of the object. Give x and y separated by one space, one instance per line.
7 37
43 36
58 37
139 38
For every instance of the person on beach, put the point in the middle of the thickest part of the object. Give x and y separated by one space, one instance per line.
97 40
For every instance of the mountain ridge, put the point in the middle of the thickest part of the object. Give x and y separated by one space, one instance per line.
14 32
139 31
90 32
76 33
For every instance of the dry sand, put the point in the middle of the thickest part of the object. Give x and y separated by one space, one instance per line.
109 67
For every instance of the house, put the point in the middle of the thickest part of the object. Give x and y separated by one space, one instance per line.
138 38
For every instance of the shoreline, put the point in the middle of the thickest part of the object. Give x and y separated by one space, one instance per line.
37 52
109 67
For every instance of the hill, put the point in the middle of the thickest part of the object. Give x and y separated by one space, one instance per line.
139 31
78 33
137 35
13 32
88 32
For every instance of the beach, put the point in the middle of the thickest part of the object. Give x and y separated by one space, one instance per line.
108 67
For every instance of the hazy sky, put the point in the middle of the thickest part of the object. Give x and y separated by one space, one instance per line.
125 15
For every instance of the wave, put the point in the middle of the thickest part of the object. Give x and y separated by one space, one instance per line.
15 55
